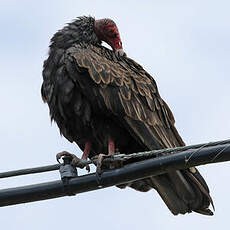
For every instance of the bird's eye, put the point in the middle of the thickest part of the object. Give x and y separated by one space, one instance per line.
112 34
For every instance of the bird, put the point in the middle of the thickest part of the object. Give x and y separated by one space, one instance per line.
105 102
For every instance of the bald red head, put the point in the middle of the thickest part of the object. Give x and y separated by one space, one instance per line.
107 31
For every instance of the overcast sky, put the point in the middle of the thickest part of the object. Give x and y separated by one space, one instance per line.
184 45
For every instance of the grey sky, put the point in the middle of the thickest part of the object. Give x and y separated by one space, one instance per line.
184 45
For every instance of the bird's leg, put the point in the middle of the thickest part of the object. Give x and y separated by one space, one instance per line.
111 147
111 151
86 153
87 149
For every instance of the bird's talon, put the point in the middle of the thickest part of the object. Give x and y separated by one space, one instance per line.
87 168
61 154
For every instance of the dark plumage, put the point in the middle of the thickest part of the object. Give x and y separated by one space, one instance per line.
100 97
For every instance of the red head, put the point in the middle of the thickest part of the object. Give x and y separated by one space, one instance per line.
106 30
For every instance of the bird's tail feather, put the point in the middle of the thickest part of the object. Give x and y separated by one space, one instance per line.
182 191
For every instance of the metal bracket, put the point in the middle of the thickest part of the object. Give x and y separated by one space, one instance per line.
67 171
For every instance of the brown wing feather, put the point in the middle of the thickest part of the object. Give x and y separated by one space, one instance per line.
137 92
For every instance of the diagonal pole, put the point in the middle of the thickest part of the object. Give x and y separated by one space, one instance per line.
145 168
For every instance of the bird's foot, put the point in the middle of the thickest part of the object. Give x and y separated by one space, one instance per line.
76 162
100 158
108 165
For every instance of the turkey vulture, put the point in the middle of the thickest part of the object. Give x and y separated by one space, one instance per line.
104 101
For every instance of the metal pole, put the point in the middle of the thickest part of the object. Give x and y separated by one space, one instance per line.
125 174
120 157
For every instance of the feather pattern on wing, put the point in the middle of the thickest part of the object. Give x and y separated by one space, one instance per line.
127 89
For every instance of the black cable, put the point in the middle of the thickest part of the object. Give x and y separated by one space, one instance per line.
120 157
126 174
